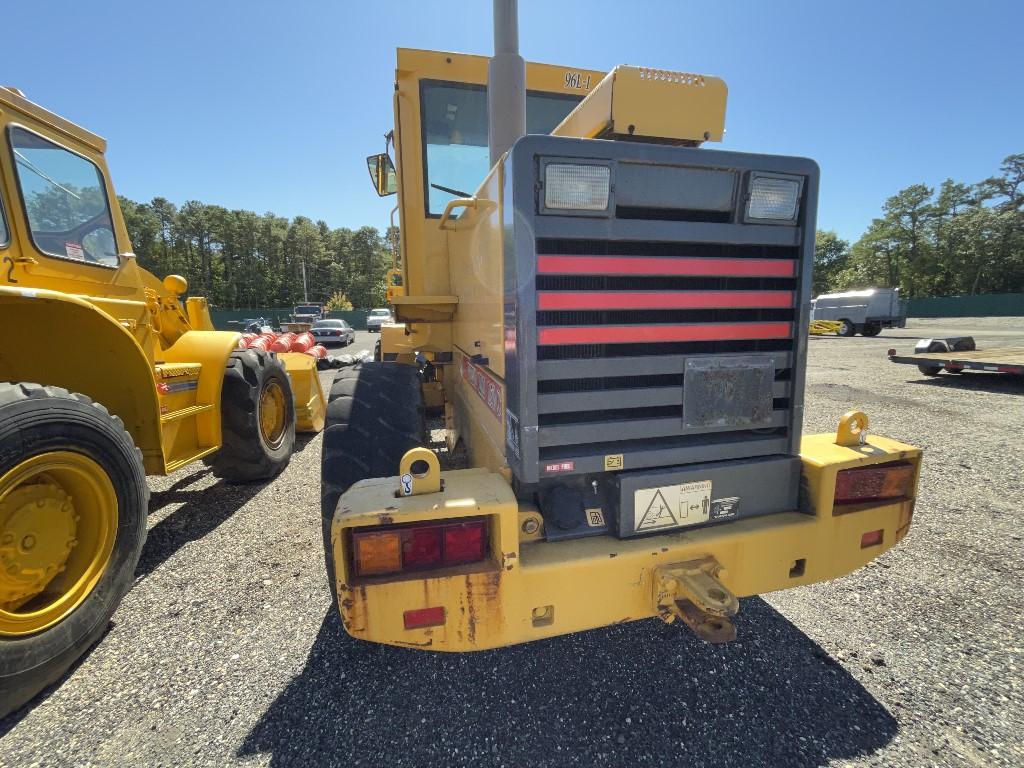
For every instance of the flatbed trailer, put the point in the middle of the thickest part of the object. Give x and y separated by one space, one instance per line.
956 355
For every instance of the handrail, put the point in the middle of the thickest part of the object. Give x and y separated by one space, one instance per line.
459 202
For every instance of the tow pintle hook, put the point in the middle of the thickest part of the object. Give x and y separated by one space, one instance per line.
692 592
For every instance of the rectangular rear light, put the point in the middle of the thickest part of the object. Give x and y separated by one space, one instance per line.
875 483
419 547
423 617
577 187
465 543
872 538
377 553
773 197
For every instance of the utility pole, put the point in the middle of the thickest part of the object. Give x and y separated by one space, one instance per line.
305 291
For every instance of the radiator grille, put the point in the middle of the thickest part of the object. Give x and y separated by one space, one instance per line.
616 322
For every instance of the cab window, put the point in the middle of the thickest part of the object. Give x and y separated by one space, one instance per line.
456 157
65 200
4 234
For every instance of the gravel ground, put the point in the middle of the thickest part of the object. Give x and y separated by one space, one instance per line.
227 650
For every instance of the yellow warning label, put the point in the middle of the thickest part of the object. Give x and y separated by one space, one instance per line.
671 506
595 517
613 461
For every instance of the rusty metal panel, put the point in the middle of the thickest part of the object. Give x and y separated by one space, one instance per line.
728 392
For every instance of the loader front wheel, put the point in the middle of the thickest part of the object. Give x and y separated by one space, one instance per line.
73 505
374 415
257 419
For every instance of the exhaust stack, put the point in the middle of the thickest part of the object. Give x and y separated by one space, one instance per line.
506 82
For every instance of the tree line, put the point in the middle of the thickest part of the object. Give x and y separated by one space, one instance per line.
242 260
962 239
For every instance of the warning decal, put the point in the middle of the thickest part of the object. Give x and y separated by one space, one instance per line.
656 515
671 506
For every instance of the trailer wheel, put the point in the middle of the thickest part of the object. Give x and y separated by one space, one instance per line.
930 370
257 418
374 415
847 328
872 329
73 505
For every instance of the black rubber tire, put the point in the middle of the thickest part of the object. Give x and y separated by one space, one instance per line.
872 329
930 370
374 415
35 419
244 456
847 329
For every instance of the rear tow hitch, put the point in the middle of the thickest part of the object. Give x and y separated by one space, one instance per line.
692 592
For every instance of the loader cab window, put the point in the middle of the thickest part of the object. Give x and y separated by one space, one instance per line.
65 200
454 120
4 232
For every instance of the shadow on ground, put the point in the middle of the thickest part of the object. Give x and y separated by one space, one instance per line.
638 693
201 511
999 383
302 439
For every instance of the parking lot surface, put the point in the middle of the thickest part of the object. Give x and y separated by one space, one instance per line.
227 650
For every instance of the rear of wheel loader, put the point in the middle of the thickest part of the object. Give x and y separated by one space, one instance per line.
619 321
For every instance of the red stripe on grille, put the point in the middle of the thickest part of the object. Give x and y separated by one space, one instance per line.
655 300
627 334
649 265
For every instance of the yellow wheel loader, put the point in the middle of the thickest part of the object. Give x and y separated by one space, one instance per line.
105 376
616 322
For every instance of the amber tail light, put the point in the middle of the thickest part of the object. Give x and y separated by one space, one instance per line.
878 482
419 547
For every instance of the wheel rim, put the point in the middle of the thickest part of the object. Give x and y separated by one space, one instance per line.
58 521
272 414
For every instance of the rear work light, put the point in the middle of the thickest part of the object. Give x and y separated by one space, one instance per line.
577 187
419 547
773 198
874 483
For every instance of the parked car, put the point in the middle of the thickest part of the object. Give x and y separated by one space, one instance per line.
377 318
333 332
865 312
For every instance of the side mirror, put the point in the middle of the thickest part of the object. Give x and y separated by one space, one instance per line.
382 173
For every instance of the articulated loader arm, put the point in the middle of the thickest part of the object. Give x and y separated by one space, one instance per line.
642 104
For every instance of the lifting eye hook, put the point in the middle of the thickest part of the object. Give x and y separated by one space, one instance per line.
419 472
853 429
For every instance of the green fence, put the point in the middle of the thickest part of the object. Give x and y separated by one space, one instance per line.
225 319
985 305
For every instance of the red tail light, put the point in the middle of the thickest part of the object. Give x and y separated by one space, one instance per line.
383 550
874 483
465 543
421 548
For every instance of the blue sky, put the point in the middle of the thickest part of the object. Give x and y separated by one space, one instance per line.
274 106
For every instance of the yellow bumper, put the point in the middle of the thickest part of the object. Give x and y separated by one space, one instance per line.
531 590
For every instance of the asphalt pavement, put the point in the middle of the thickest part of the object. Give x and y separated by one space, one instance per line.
227 651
